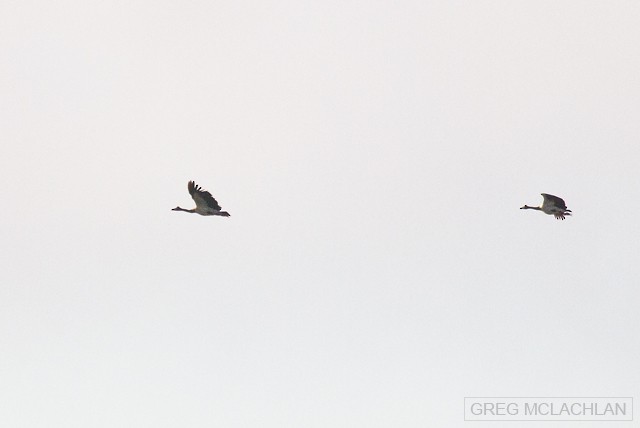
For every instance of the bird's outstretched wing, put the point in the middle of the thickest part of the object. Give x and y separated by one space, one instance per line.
558 202
202 197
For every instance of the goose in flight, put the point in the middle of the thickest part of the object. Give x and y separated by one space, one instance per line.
551 205
205 203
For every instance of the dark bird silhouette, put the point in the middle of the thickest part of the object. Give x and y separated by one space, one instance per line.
551 205
205 203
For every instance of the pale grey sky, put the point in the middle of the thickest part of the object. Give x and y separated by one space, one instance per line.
375 269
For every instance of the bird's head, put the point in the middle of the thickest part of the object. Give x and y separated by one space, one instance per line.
176 209
525 207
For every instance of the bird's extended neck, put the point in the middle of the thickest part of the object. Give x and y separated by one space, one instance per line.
182 209
527 207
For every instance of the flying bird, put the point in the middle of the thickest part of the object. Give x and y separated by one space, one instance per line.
551 205
205 203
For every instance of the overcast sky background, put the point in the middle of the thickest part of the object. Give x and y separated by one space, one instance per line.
373 155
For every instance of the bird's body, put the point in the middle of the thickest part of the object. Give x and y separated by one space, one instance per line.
205 203
551 205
